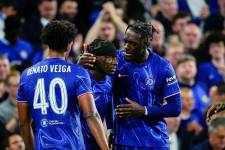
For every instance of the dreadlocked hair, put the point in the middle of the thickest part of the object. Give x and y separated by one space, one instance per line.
144 29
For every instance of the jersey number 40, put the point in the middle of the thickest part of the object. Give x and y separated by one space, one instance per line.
41 96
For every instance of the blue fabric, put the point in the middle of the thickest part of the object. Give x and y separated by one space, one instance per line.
51 88
208 75
147 84
168 109
102 91
18 53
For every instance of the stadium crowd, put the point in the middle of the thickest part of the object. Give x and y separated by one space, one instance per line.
190 34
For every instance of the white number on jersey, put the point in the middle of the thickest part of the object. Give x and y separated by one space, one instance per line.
40 93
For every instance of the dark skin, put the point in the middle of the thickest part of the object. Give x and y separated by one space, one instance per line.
136 51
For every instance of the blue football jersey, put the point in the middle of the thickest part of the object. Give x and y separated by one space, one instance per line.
102 91
148 84
209 75
51 88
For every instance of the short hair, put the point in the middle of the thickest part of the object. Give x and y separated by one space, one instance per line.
185 58
101 47
216 123
214 37
58 34
6 142
144 29
179 16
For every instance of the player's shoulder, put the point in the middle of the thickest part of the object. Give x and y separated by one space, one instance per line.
158 60
206 65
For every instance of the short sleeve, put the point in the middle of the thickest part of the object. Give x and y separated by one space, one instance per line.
170 84
83 83
21 90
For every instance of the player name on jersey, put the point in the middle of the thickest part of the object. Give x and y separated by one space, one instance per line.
47 68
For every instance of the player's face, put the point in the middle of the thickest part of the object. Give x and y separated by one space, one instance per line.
106 64
70 8
217 139
134 46
16 143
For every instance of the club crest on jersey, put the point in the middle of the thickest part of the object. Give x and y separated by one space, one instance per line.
149 81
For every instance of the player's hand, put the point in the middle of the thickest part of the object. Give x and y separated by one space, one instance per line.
132 109
87 60
213 109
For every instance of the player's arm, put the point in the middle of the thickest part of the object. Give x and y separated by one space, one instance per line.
171 109
93 119
25 125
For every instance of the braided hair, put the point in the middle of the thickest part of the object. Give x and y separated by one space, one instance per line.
144 29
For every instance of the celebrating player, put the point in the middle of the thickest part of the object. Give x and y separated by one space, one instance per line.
146 91
101 83
52 92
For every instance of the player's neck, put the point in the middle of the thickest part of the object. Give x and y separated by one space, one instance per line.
55 54
218 61
144 58
98 75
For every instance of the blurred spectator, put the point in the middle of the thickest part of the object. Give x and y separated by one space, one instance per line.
215 22
4 71
174 51
216 134
158 39
179 21
191 38
173 124
47 12
217 93
68 10
107 26
7 8
168 9
4 68
8 108
198 9
213 72
15 142
192 122
189 117
186 72
12 46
